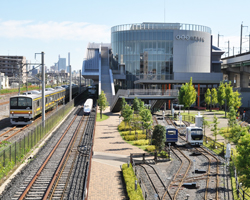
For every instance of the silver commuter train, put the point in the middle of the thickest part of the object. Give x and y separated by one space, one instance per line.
24 108
194 135
87 107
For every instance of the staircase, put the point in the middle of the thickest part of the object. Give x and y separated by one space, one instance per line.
105 76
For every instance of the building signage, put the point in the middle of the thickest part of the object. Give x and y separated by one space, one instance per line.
187 37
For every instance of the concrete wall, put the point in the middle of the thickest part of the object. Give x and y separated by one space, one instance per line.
190 54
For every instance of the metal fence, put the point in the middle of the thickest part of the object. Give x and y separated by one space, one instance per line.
240 191
14 153
218 148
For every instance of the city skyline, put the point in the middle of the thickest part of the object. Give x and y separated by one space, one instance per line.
60 27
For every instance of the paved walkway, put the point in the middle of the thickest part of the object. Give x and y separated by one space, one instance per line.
110 152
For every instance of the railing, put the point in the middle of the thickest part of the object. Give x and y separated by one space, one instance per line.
155 76
155 26
240 191
170 92
112 82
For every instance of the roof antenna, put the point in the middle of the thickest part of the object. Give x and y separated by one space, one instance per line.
164 11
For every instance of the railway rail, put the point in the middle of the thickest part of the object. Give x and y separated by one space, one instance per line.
212 182
39 186
155 180
181 174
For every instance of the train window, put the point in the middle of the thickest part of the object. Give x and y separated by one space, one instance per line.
37 104
13 102
171 132
197 131
24 102
46 100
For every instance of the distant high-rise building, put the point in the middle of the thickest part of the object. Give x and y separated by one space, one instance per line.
61 64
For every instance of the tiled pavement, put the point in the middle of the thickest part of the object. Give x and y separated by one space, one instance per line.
110 151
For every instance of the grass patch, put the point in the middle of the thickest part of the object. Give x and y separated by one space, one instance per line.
104 117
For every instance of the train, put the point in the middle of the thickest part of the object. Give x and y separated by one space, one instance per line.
171 135
92 90
26 107
194 135
87 107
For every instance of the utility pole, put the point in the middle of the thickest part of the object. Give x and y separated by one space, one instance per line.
248 41
27 73
219 40
80 84
233 51
228 48
19 83
43 91
70 84
241 29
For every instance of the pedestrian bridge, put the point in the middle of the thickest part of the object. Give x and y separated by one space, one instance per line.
144 94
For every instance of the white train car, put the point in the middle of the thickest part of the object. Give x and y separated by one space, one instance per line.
87 107
194 135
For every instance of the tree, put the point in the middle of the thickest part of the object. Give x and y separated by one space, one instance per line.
146 118
136 105
190 94
236 100
127 114
102 102
229 95
221 95
208 97
231 117
181 95
141 104
159 137
214 99
215 128
243 160
123 104
205 125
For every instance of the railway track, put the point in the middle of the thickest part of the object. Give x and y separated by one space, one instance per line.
155 180
181 174
212 182
47 179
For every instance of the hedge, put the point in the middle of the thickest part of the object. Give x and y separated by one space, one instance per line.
133 137
141 142
129 178
123 133
150 148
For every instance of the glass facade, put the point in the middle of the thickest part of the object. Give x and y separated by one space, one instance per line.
145 54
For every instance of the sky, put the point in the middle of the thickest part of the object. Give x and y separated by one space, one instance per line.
58 27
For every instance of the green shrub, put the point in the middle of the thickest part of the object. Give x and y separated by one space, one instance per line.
141 142
133 137
150 148
129 178
124 133
163 154
122 126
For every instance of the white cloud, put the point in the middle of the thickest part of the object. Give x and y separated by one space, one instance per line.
51 30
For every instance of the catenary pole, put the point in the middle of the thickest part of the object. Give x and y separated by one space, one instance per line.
43 91
70 84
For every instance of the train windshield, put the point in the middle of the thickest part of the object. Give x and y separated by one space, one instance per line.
20 103
196 131
196 134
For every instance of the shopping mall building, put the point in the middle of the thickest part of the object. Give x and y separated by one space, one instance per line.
155 56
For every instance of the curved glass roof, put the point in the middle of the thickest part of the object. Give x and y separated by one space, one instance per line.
166 26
